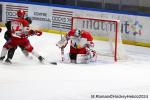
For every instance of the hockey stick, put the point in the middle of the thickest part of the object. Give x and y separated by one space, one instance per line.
62 49
53 63
49 62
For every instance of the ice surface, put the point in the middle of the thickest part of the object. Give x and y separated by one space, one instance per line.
26 79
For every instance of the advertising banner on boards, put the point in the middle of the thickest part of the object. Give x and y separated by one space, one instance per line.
132 27
1 12
12 9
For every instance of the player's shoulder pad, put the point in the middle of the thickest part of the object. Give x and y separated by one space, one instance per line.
87 35
71 32
25 22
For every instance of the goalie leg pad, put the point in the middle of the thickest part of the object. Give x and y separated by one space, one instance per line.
82 59
93 55
86 58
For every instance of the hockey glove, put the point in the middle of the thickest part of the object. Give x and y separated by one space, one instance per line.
38 33
90 44
31 33
23 36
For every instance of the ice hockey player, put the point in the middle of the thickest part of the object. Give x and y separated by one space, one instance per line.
81 46
7 36
20 31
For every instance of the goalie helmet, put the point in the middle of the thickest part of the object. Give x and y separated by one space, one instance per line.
21 13
77 33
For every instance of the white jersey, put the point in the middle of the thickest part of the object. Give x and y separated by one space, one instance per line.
78 42
19 27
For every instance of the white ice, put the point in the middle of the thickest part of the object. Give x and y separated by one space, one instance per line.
27 79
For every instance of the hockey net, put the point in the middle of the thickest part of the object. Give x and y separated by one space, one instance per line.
105 30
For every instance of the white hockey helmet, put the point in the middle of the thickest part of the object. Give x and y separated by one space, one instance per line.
77 33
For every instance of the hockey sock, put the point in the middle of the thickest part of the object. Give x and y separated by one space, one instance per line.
35 53
4 52
11 53
25 52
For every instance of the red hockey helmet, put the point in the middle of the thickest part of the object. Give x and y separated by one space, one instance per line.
20 13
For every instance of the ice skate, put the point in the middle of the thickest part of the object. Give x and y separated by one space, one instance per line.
41 59
1 59
8 61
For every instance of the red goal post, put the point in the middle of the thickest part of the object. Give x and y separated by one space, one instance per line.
100 28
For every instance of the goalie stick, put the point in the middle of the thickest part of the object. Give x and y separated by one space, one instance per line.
62 49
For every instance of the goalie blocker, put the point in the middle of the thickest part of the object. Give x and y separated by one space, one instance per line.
81 44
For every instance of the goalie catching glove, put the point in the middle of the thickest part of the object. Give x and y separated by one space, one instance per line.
90 56
90 44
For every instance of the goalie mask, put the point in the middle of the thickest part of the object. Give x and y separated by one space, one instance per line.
77 33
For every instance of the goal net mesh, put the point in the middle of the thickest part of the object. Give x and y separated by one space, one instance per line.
105 30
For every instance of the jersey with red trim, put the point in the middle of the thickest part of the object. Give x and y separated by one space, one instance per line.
19 27
81 41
